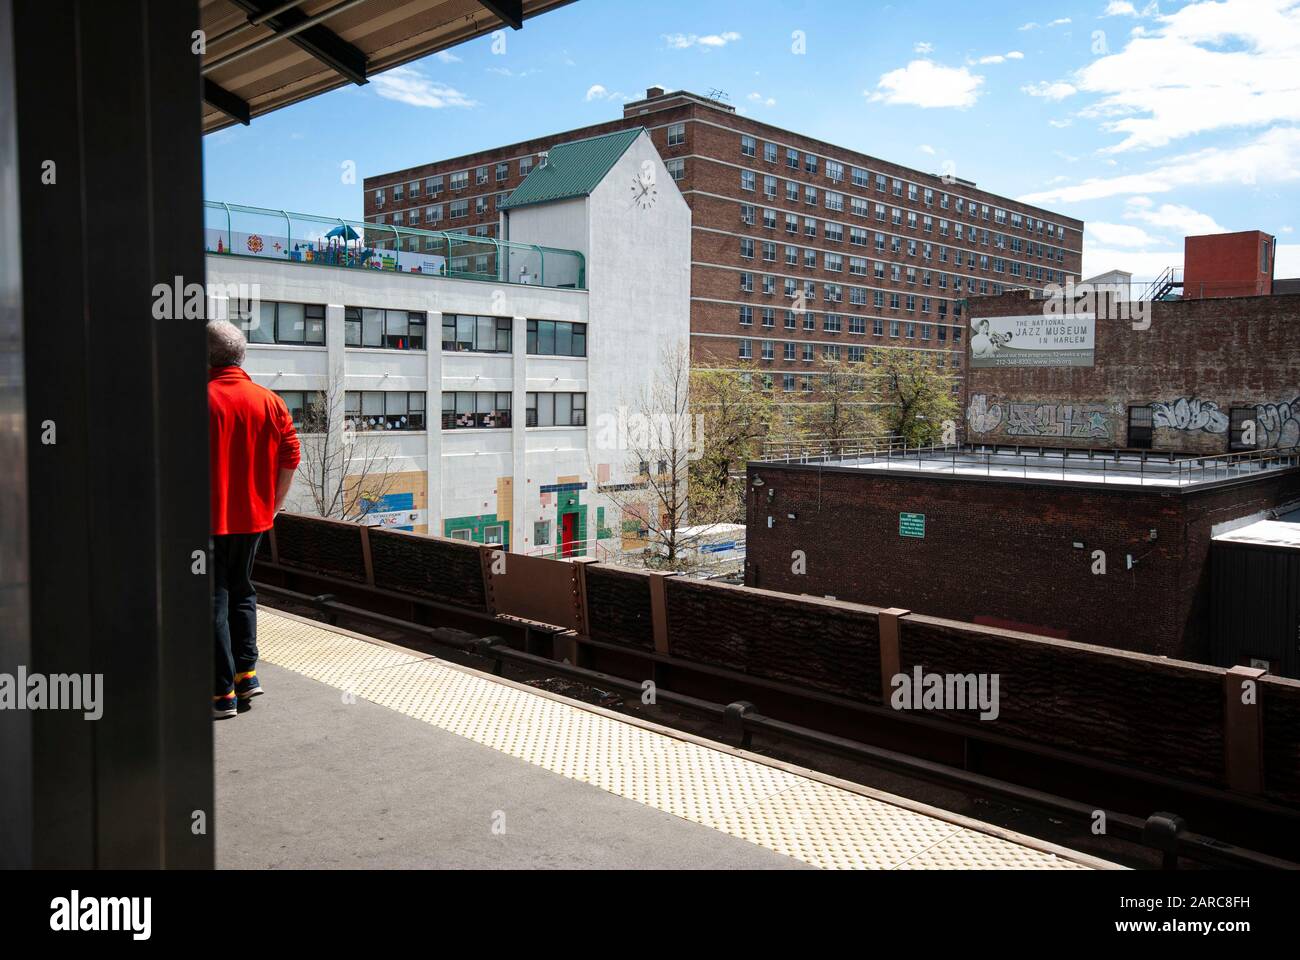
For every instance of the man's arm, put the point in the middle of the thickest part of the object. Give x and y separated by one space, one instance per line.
290 455
282 484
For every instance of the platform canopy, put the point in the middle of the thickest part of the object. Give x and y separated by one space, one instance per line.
261 55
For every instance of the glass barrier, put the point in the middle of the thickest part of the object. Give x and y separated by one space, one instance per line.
231 229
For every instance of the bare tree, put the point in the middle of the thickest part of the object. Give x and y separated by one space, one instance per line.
345 464
660 438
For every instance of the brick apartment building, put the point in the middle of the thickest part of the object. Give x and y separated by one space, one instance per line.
800 248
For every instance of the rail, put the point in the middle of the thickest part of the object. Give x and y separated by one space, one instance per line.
1090 465
234 230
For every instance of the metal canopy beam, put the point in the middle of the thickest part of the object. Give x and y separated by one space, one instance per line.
321 42
226 102
509 11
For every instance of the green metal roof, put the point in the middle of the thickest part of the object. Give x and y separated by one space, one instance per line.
572 169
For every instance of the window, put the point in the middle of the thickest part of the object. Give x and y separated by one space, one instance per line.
465 410
463 333
459 181
746 316
834 171
748 146
383 410
746 349
385 329
556 338
769 152
747 180
792 159
542 533
747 214
676 134
307 408
459 209
769 220
746 248
556 410
1240 416
1140 427
676 168
503 172
480 176
379 198
293 323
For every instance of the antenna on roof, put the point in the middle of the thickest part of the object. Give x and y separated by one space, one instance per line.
721 96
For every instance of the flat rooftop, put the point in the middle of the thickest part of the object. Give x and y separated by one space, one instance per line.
1099 467
1284 532
366 755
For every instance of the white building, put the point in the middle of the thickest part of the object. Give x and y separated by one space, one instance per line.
468 376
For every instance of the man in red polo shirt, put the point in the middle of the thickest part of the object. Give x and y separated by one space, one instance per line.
253 451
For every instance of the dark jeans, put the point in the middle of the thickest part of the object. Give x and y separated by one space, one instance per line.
234 607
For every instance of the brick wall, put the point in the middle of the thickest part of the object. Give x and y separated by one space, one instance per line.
1199 359
1001 552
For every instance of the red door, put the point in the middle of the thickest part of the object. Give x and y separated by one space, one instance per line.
568 534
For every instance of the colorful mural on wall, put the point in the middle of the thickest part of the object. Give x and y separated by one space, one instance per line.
1276 424
403 505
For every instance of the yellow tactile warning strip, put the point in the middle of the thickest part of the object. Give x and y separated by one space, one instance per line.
769 804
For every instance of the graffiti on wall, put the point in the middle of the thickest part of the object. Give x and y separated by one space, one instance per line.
1190 414
1073 421
1276 424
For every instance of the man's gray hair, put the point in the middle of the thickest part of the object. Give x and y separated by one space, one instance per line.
226 344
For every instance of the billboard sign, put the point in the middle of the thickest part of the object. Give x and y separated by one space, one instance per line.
1034 340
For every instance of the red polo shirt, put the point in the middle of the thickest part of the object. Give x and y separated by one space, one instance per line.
250 439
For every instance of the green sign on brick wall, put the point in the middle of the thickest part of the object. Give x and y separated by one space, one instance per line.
911 525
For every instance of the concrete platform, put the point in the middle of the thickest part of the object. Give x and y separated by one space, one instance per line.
365 755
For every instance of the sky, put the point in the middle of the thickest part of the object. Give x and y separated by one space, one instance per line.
1150 121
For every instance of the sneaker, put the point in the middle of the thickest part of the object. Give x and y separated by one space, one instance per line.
225 706
247 686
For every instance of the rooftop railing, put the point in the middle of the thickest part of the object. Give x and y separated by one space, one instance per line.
232 229
1089 465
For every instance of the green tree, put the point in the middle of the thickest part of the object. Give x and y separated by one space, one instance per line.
916 398
737 416
842 406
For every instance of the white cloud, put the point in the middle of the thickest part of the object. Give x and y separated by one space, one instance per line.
924 83
1050 91
1185 221
926 148
760 99
1120 8
1002 57
1061 22
446 56
924 48
1208 66
712 41
1119 235
599 91
1273 157
1060 124
408 85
